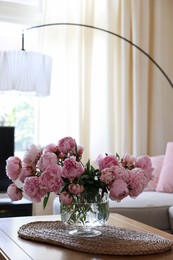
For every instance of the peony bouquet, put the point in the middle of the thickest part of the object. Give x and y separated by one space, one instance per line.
58 168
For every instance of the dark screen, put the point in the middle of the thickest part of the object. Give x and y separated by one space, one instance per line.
6 150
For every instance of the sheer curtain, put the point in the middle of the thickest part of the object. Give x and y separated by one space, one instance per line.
105 93
148 24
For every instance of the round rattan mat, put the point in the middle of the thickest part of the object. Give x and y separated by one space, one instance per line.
112 241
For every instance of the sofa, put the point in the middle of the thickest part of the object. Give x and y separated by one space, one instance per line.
154 206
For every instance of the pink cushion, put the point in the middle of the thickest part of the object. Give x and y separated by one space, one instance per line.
165 183
157 162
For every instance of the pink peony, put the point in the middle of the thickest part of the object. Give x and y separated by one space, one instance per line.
107 161
26 172
75 188
67 145
58 168
137 182
53 148
80 150
108 175
30 168
128 161
46 159
50 179
33 190
145 163
65 198
72 169
31 156
119 190
121 173
14 192
13 167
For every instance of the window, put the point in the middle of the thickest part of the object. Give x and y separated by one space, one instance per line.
27 2
19 111
21 11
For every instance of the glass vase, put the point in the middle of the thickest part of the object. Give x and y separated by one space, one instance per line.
85 217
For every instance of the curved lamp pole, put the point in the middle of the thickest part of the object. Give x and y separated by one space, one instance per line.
103 30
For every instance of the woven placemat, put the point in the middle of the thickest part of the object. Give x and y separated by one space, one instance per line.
112 241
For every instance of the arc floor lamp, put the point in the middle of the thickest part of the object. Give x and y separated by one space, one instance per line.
31 71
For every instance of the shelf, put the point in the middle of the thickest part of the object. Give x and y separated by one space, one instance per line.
10 208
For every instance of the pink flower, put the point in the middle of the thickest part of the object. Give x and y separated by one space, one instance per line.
14 192
32 188
107 161
72 169
108 175
13 167
58 168
121 173
80 150
61 156
137 182
128 161
50 179
31 156
26 172
67 145
144 162
119 190
65 198
52 148
75 188
46 159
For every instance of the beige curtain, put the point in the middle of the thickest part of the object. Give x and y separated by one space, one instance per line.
106 93
147 97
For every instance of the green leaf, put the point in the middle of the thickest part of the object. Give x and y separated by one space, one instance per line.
117 155
45 201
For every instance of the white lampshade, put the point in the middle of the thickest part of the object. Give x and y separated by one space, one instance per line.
25 72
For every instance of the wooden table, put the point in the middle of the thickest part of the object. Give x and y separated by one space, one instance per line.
15 248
